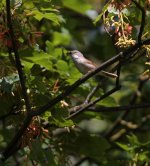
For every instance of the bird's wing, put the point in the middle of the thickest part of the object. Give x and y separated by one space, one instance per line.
88 65
92 65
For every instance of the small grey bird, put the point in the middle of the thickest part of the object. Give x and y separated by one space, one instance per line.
84 65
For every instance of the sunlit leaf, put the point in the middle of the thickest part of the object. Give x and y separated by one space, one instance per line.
101 14
78 5
50 16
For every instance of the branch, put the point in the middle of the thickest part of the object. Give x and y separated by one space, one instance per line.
87 100
121 55
80 108
130 126
3 117
118 73
14 142
76 84
54 101
125 114
142 20
17 59
91 94
120 108
86 106
12 146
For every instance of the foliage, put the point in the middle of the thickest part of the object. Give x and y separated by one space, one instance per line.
78 128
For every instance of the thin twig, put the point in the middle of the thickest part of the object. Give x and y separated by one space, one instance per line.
3 117
120 108
10 149
129 126
87 100
142 20
90 95
77 84
124 114
86 106
118 73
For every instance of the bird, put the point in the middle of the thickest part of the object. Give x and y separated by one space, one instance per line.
85 65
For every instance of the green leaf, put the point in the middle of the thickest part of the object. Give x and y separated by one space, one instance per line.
125 146
41 99
38 83
133 139
80 6
91 146
41 155
74 74
62 38
37 57
50 16
38 15
49 9
62 66
62 122
7 84
109 102
102 12
28 5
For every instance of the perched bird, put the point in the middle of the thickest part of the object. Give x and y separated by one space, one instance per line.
84 65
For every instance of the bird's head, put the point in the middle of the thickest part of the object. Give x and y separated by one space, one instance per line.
75 54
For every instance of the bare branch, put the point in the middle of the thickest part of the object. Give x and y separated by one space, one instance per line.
13 145
125 114
91 94
120 108
121 55
86 106
142 20
87 100
11 112
130 126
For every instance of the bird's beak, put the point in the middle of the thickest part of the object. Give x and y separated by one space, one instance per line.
68 53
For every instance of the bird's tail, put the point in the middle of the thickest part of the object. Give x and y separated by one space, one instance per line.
108 74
